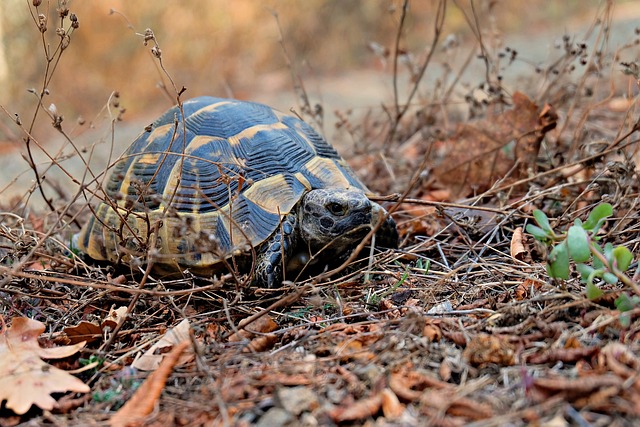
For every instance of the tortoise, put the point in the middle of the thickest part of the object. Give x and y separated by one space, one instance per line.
218 180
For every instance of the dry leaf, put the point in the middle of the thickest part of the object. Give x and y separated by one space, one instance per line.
577 386
445 370
432 331
621 361
352 349
484 349
261 343
263 325
114 318
451 403
518 250
363 408
26 379
150 361
481 152
143 401
391 406
566 355
83 331
523 290
89 331
409 384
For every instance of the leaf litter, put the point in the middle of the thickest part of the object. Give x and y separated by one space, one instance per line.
461 326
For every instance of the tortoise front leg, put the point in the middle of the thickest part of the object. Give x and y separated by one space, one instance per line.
275 253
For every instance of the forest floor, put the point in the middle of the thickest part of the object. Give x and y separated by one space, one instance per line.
489 313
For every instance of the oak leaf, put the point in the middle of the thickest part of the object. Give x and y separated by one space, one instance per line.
26 379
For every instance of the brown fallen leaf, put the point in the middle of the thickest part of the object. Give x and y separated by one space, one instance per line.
262 325
391 406
83 331
151 359
409 384
523 290
517 248
431 330
258 332
363 408
444 370
451 403
566 355
90 332
621 361
578 386
481 152
261 343
485 349
116 317
143 401
352 349
26 379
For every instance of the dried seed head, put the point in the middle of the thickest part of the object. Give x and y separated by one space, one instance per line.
64 43
148 36
42 22
57 122
74 21
36 3
63 11
156 52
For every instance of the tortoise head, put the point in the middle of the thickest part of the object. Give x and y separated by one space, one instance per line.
341 218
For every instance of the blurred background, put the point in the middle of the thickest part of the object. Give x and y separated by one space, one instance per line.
256 50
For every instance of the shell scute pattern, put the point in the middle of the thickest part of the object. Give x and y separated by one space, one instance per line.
219 183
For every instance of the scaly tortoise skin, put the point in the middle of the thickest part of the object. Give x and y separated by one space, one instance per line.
241 176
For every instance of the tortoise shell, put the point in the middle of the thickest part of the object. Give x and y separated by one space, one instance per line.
207 181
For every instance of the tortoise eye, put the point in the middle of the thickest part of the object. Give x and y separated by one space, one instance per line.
336 209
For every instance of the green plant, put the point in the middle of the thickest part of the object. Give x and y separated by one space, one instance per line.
580 243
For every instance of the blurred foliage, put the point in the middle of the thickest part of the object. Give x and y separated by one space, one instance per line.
219 47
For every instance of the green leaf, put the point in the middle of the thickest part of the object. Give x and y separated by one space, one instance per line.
593 292
427 266
624 303
585 271
597 264
625 320
578 242
538 233
623 257
558 262
597 217
610 278
608 253
543 221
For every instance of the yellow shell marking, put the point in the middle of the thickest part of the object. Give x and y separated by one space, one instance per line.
253 130
327 172
272 194
159 132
